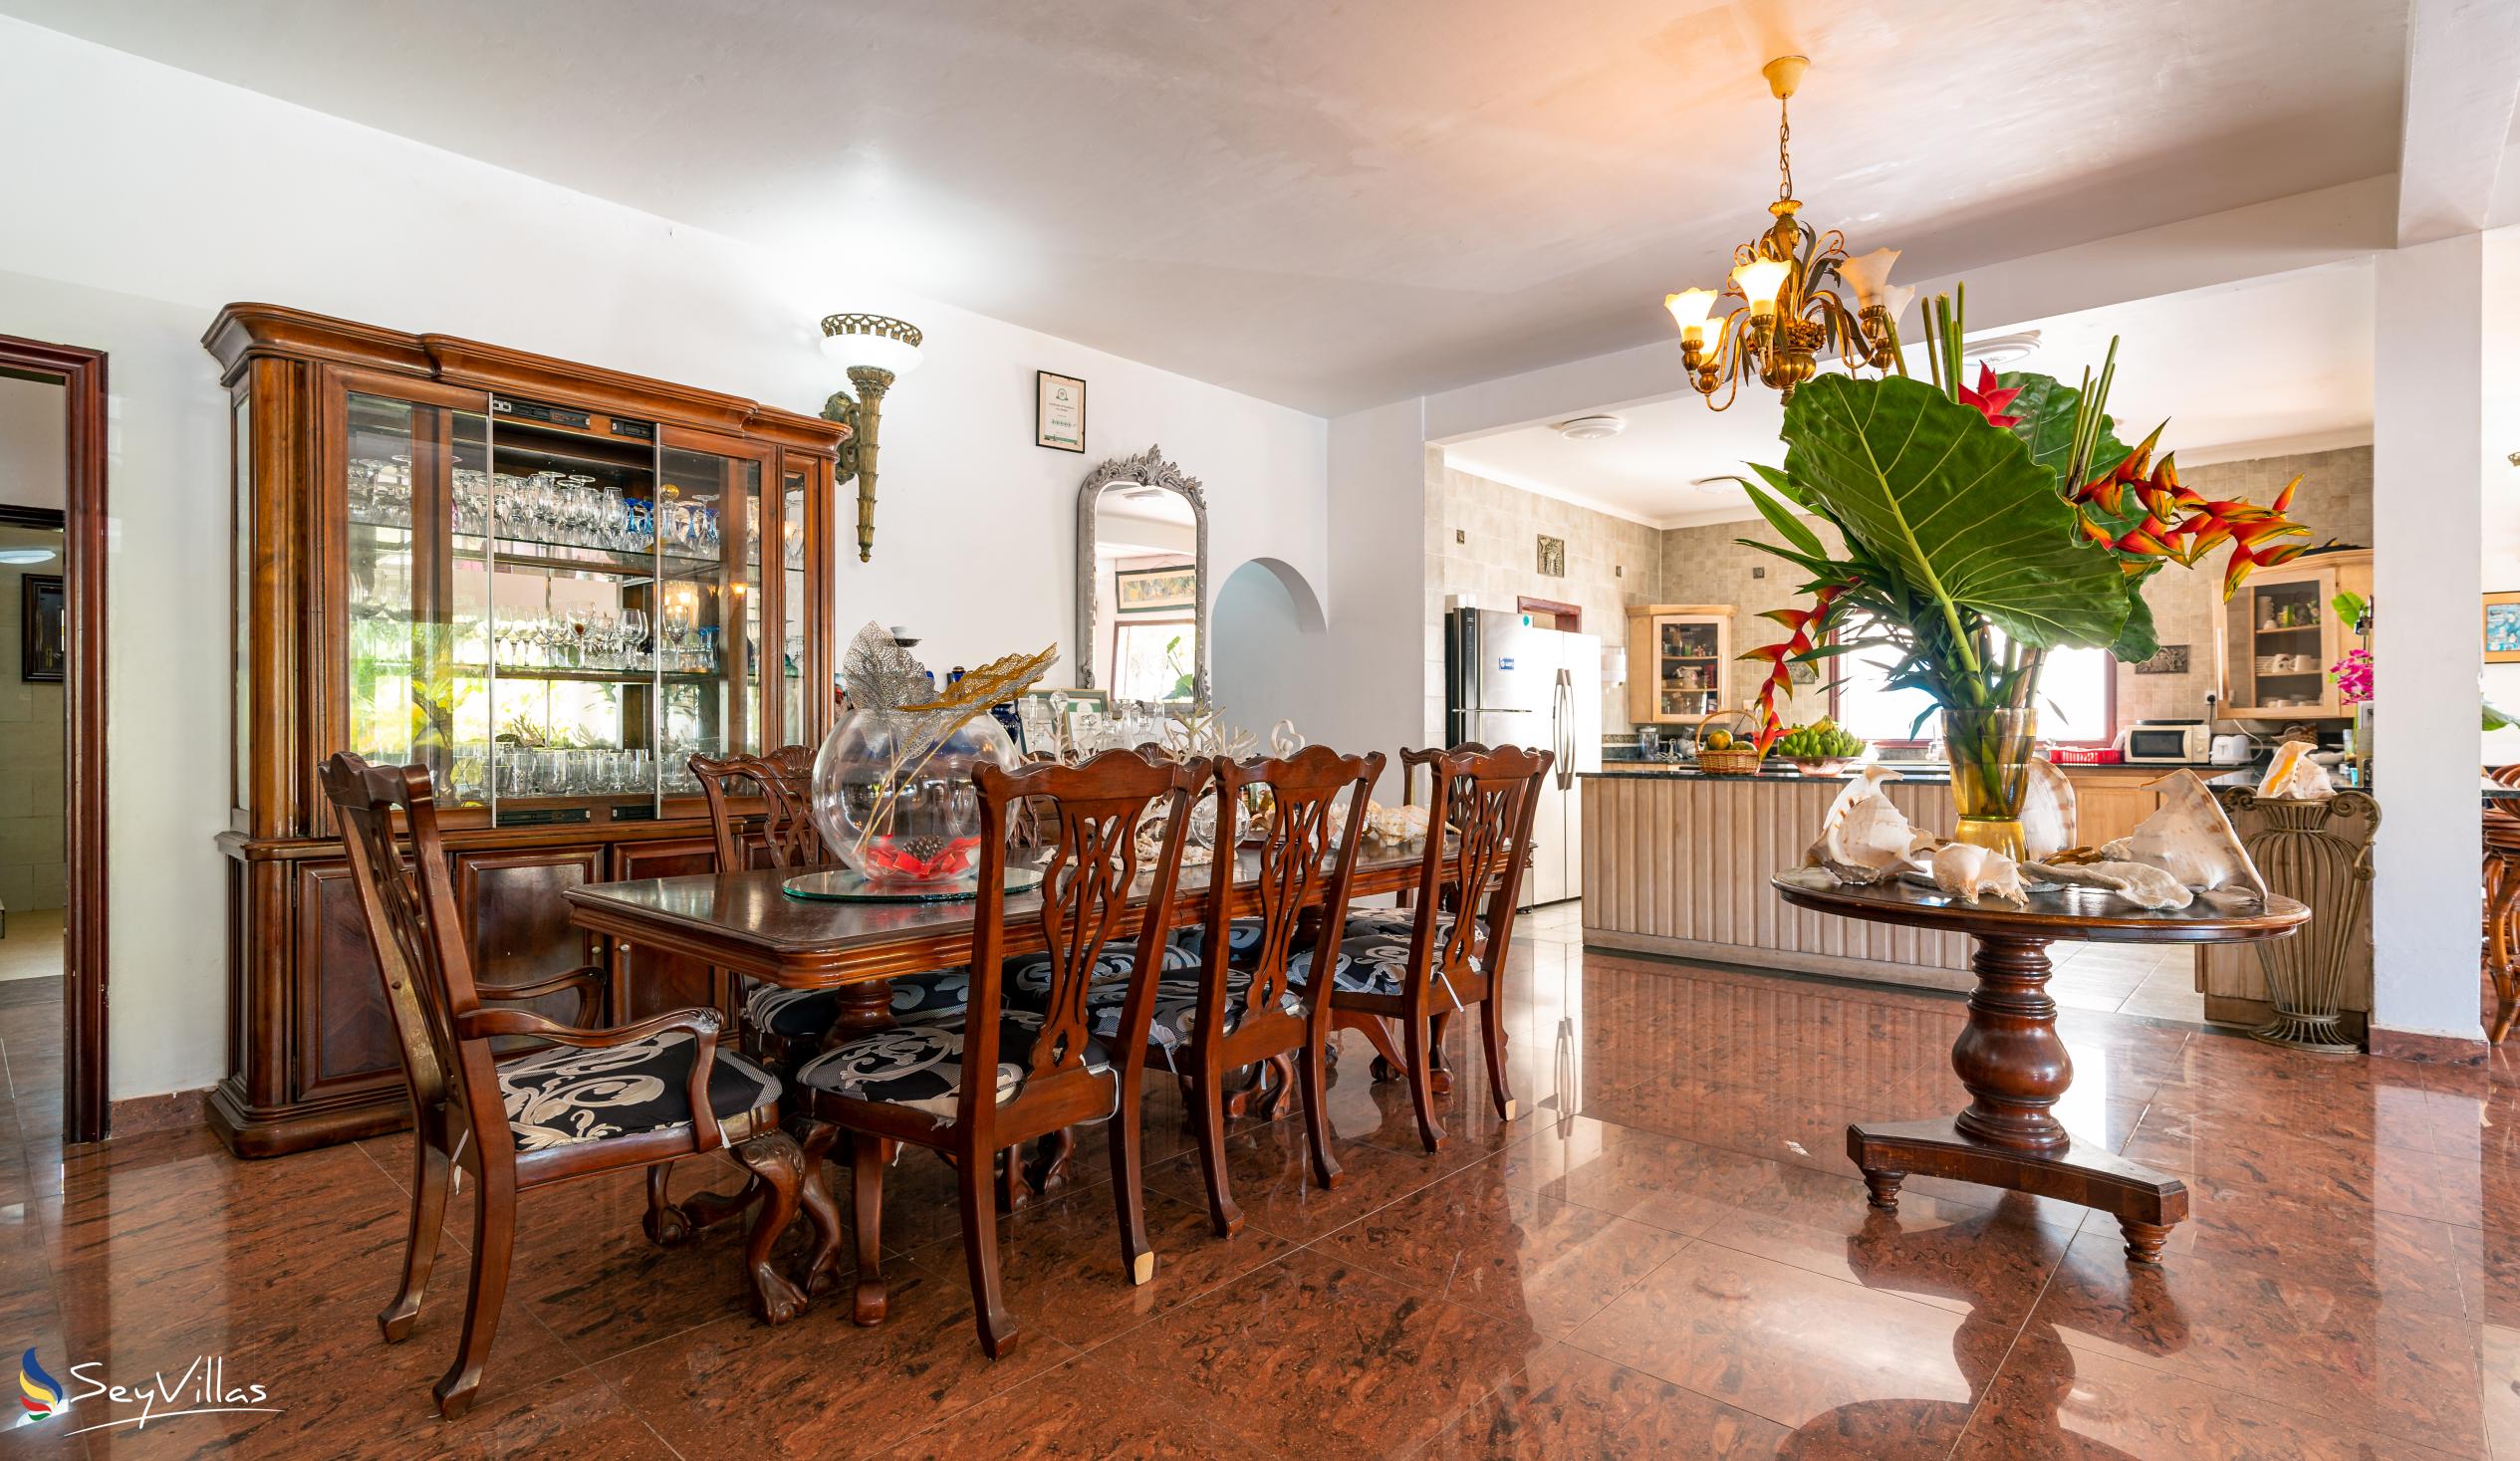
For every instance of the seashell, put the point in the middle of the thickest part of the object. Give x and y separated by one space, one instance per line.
1966 871
1391 824
2048 810
2139 883
1864 838
2188 838
2294 776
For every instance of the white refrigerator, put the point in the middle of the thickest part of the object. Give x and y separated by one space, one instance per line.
1507 683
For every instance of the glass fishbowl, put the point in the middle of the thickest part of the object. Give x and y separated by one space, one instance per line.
898 804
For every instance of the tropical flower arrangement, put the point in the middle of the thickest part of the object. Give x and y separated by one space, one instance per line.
1984 524
2352 675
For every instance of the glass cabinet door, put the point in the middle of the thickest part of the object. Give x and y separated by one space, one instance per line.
709 575
1688 666
407 698
794 484
2283 642
558 569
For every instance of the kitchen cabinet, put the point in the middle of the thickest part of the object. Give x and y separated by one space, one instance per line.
1679 662
2279 634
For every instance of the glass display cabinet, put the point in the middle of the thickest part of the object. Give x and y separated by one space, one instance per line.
549 585
1679 662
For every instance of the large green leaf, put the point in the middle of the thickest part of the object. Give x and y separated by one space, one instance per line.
2138 641
2044 411
1954 506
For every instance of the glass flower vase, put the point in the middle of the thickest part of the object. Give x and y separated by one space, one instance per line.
1990 751
897 805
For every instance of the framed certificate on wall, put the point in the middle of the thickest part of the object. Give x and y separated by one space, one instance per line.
1058 411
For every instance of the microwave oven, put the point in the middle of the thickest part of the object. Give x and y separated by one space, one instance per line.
2167 741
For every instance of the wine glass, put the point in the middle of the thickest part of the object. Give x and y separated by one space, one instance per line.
633 638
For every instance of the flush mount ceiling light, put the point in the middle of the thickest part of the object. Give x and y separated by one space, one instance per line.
25 555
1592 428
1789 314
2001 349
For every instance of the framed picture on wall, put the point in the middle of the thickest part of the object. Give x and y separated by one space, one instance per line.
1151 590
43 649
1058 411
2502 627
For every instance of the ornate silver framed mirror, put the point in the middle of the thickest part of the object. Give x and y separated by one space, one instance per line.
1135 493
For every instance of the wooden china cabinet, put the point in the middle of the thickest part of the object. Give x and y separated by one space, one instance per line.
551 584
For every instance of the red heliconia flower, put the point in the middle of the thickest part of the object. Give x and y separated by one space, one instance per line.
1806 626
1990 398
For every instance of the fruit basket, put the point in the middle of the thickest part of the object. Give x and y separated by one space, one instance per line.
1727 743
1820 748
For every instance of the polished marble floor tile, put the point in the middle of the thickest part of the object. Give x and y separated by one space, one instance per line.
1567 1402
1478 1240
1312 1355
1665 1253
1775 1339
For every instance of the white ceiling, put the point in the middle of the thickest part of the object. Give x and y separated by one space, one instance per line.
1329 203
2277 364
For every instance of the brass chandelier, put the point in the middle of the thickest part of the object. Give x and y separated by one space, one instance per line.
1789 314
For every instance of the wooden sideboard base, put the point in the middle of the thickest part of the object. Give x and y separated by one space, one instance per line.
2146 1203
301 1128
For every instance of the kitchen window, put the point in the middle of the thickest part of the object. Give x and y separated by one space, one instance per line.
2076 703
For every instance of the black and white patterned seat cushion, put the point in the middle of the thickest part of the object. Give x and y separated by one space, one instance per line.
1028 975
807 1014
1399 922
1176 1007
1373 959
568 1095
920 1065
1242 950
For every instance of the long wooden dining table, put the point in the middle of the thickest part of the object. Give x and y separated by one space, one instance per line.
747 923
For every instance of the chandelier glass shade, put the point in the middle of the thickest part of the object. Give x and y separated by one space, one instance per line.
1785 305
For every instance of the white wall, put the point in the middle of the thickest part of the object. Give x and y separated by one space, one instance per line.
188 194
1257 613
2428 470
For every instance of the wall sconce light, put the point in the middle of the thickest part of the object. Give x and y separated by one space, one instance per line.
875 350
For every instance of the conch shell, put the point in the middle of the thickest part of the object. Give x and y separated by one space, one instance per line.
1864 838
2189 839
2139 883
1966 871
2048 812
2294 776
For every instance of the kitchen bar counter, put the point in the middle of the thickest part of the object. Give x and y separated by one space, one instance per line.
1676 861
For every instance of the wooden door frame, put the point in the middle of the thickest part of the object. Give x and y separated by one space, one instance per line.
84 950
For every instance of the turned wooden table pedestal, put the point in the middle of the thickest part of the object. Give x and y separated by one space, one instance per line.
2011 1058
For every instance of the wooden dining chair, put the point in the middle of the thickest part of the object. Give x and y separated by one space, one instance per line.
785 1027
1448 958
588 1101
2502 907
1048 1070
1256 993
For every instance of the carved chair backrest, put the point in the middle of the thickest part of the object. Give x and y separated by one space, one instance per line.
408 903
1478 834
783 780
1300 861
1092 869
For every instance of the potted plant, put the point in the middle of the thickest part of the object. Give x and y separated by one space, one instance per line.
1983 526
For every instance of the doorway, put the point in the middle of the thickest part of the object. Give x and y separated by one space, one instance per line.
52 735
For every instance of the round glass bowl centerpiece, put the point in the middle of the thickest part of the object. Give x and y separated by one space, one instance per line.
897 804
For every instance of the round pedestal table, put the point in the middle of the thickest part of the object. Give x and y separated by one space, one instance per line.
2010 1057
